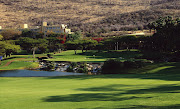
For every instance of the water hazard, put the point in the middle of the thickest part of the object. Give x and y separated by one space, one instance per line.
31 73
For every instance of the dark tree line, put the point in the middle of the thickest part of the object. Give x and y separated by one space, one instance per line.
167 36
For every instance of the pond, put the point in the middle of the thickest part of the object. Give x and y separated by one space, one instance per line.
31 73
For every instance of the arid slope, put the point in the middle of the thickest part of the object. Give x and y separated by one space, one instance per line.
86 14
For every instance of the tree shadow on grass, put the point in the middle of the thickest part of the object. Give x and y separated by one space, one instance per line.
107 88
118 95
9 58
160 89
176 106
105 54
89 97
124 89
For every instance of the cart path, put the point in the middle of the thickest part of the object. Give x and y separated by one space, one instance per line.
12 61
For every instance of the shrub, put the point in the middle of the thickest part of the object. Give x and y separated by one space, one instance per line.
116 66
49 55
139 64
73 64
83 65
112 66
174 57
133 64
70 69
155 56
50 66
82 70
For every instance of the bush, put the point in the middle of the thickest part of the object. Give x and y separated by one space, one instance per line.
133 64
83 65
50 66
73 64
174 57
82 70
116 66
49 55
70 69
139 64
21 52
155 56
112 66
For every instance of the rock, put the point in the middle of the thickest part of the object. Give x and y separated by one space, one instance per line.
89 73
89 68
99 67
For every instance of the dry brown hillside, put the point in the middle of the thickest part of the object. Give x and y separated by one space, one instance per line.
88 15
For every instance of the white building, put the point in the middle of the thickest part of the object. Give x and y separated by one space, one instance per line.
55 28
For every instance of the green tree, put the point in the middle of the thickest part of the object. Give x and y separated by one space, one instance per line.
55 44
1 37
28 33
32 44
108 44
6 48
2 48
128 42
10 34
166 38
75 36
73 45
99 46
88 44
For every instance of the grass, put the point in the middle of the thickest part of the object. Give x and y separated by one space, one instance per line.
20 65
26 62
89 56
166 67
160 90
93 55
157 87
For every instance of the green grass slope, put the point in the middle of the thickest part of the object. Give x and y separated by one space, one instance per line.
20 62
94 56
148 91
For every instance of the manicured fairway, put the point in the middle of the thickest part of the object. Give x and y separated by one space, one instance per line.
130 91
94 56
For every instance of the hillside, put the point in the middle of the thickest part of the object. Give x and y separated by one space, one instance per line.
87 15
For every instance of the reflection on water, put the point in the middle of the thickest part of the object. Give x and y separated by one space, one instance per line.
30 73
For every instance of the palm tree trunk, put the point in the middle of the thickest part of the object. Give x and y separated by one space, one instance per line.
34 50
75 51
